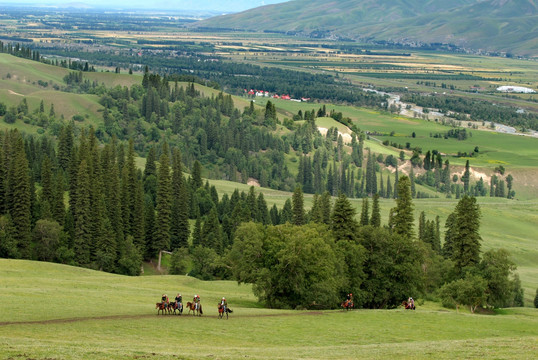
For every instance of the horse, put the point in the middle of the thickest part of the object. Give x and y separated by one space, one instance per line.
192 307
224 310
161 306
408 305
347 305
174 305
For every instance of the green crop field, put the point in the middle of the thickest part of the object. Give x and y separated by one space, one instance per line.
61 312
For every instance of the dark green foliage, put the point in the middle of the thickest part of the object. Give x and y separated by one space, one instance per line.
392 267
179 230
403 213
164 201
536 299
8 244
465 232
468 291
298 214
375 220
179 262
130 261
83 234
46 238
364 212
343 223
289 268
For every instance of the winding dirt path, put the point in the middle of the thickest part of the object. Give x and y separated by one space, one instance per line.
147 316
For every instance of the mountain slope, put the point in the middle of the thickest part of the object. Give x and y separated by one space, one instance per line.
492 25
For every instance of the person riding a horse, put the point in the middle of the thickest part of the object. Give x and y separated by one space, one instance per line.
179 299
196 301
165 301
223 304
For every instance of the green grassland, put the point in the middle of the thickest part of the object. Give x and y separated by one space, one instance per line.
56 311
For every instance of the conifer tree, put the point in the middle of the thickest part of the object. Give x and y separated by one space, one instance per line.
179 231
196 177
412 179
403 213
343 223
364 212
82 216
164 202
263 212
212 232
18 195
465 178
375 220
388 195
298 207
381 185
395 195
465 231
326 207
197 233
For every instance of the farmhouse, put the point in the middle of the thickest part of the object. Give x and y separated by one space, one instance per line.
515 89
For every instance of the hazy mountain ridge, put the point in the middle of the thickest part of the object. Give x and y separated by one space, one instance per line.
490 25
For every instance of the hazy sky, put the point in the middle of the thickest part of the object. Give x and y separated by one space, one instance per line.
217 5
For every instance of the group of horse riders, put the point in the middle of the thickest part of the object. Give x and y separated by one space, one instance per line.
196 301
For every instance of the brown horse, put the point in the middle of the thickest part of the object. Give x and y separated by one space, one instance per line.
347 305
161 306
408 305
224 311
174 306
192 307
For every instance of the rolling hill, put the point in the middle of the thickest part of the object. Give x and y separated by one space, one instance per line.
485 25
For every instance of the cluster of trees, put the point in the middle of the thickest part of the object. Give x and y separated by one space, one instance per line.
38 117
477 109
314 264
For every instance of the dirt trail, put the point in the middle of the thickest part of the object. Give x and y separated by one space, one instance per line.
147 316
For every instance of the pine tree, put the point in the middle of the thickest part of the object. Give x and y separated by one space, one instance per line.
18 195
388 195
421 225
196 177
197 233
149 227
364 212
343 223
395 195
403 214
412 179
83 216
465 231
179 231
212 232
326 207
298 207
263 212
465 178
375 220
164 202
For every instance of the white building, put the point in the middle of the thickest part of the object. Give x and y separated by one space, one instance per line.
516 89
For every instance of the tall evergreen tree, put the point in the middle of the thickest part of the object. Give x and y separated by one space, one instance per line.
403 214
343 223
375 220
179 231
465 231
364 212
164 202
18 195
326 207
466 178
83 236
298 207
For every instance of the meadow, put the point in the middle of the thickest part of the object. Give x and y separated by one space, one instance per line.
56 311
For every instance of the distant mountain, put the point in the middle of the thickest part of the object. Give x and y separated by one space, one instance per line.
490 25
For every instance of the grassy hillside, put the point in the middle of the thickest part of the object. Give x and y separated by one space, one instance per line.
490 24
55 311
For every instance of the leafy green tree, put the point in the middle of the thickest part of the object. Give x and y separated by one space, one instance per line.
497 268
180 261
197 233
46 239
130 262
392 267
204 260
469 291
8 244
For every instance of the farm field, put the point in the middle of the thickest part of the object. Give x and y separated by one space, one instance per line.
83 314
